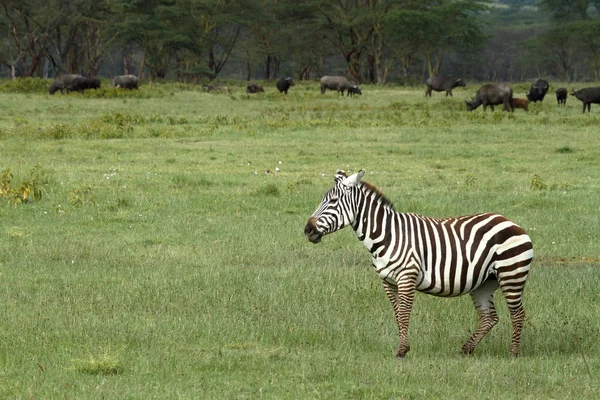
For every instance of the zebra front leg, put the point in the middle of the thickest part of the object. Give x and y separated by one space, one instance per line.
483 298
402 300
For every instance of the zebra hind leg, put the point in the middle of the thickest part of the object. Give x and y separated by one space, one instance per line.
512 289
482 298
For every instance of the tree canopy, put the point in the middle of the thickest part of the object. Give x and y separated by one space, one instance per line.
367 40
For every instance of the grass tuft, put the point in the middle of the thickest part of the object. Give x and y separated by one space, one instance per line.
270 190
105 364
564 149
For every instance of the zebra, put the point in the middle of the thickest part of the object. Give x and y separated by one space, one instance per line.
446 257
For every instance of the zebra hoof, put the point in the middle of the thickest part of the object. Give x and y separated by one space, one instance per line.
402 353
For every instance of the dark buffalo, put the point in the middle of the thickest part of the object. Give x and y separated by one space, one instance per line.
61 82
443 83
126 82
337 83
588 96
354 90
561 96
80 84
491 95
538 90
254 88
284 83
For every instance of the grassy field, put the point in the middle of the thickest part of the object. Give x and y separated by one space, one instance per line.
166 256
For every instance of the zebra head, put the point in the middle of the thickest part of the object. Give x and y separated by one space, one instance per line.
336 209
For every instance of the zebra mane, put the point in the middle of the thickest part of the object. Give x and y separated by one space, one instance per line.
378 195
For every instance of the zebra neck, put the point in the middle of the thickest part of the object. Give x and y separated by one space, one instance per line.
373 218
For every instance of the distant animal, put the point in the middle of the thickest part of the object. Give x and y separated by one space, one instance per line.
216 87
337 83
520 103
443 83
61 82
126 82
588 96
354 90
82 83
284 83
254 88
538 90
561 96
491 95
448 257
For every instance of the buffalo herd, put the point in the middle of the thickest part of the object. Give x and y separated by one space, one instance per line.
79 83
489 95
501 94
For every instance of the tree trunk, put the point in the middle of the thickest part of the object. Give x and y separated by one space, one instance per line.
438 64
276 66
268 68
46 68
248 68
370 75
142 65
353 65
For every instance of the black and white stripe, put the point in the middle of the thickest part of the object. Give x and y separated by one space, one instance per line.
447 257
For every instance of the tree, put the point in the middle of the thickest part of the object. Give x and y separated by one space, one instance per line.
345 30
580 19
297 42
81 41
435 28
29 24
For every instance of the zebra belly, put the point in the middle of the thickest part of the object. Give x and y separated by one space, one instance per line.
441 285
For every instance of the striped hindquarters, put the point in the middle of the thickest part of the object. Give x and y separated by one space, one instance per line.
456 255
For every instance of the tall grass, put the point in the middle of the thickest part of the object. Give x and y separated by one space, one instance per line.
166 258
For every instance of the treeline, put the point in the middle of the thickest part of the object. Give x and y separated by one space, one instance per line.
370 41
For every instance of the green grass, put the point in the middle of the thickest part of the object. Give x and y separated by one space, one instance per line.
163 261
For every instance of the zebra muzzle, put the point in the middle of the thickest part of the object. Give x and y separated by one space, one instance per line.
311 232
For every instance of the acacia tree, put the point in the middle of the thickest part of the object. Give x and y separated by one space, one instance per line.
222 22
158 28
29 24
297 40
374 17
579 19
435 28
345 29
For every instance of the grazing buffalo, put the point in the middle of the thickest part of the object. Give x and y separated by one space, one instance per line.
561 96
284 83
354 90
216 87
61 82
588 96
126 82
81 83
491 95
254 88
338 83
538 90
443 83
520 103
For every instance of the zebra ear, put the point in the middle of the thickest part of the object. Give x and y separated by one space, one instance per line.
339 176
354 180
